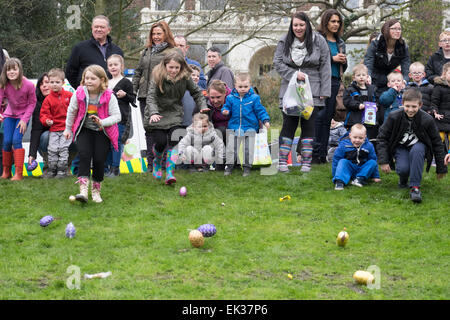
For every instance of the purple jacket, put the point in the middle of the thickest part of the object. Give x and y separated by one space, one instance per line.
108 112
21 102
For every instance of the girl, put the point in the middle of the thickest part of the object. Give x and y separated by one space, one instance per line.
92 119
21 101
164 110
306 51
123 89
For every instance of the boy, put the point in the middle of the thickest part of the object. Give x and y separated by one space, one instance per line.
53 115
439 58
418 80
410 135
245 108
354 159
187 101
391 99
201 143
356 94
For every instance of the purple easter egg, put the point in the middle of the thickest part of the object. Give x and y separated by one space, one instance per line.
45 221
70 230
33 165
183 191
208 230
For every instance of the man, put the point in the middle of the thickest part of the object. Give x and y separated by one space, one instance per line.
93 51
218 70
182 44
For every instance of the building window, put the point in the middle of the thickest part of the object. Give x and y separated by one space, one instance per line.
167 5
197 51
212 4
223 47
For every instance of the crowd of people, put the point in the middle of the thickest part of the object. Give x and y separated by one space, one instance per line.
398 112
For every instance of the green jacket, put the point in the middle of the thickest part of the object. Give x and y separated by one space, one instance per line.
168 104
143 72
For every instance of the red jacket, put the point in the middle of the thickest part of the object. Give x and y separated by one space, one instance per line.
54 108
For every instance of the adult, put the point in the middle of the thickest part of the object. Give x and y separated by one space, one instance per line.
331 28
435 63
93 51
182 44
159 43
39 133
218 70
305 51
385 54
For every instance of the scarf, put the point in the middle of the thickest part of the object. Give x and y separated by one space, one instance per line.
298 51
159 47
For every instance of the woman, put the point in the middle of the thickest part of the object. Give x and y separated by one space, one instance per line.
385 54
305 51
39 133
160 42
331 28
217 94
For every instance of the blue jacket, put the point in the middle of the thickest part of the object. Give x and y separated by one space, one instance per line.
391 100
346 150
246 112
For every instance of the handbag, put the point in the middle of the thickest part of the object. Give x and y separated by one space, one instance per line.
298 99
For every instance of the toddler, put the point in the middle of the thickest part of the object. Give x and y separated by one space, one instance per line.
53 114
391 99
246 111
418 80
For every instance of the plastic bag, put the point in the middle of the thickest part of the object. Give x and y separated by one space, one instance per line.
298 99
261 153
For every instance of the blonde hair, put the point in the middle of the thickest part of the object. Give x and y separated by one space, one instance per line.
394 74
243 76
122 62
417 65
56 73
159 73
444 34
358 126
200 117
11 63
360 67
99 72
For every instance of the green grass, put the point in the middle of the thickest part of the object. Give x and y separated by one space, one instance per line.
140 233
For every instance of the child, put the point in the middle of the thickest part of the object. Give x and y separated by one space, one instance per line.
418 80
53 115
201 143
187 101
354 159
337 130
440 102
123 90
92 119
439 58
358 92
391 99
409 135
21 97
245 108
164 112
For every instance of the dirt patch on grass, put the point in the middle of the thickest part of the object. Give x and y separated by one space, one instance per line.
356 287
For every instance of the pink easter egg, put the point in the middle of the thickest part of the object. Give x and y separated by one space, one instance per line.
183 191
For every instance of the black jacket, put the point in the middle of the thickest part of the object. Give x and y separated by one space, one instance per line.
376 60
394 128
353 98
440 102
36 125
86 53
426 89
434 65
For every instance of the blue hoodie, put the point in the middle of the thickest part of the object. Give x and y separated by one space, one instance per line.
346 150
246 112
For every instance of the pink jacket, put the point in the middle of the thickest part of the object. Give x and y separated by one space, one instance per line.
108 112
21 102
